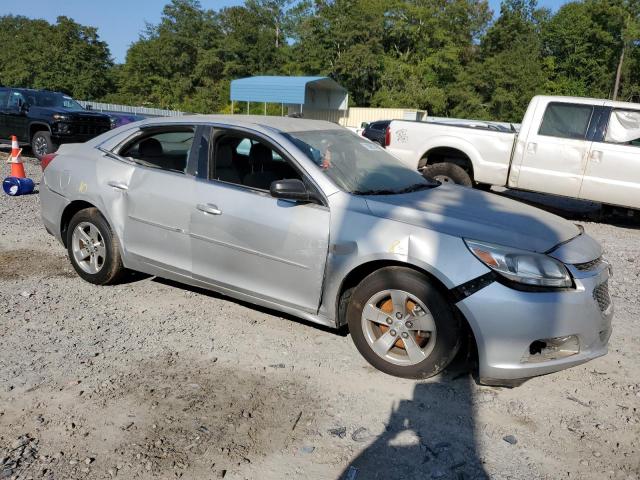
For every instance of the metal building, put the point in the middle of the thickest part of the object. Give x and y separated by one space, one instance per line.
296 94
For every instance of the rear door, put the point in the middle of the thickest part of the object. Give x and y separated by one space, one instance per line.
613 171
247 241
159 198
555 153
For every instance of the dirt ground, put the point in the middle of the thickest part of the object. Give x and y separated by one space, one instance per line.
151 379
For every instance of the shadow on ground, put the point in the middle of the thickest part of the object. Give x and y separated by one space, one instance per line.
574 209
431 435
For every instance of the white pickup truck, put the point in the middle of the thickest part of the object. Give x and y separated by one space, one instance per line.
575 147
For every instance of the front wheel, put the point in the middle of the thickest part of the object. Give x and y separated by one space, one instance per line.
402 324
93 248
448 173
41 144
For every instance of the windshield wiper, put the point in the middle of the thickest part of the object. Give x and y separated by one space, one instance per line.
374 192
415 187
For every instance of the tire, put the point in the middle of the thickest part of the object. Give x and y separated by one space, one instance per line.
108 267
437 349
448 173
41 144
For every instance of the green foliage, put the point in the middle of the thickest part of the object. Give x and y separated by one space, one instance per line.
65 56
447 56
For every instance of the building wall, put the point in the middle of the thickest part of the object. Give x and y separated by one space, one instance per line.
355 116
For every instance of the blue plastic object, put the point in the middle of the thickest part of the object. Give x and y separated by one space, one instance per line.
15 186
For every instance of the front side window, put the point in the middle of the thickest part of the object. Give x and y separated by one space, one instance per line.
166 150
249 162
16 99
624 127
566 121
54 100
356 165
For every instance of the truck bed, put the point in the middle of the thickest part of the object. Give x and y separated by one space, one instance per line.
487 144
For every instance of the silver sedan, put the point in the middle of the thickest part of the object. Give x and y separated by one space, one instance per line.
307 218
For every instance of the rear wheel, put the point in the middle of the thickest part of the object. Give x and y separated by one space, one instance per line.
402 324
448 173
93 248
41 144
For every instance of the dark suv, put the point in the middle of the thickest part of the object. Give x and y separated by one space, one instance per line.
376 131
44 119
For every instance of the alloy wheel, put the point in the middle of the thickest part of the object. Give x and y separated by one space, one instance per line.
88 246
398 327
40 146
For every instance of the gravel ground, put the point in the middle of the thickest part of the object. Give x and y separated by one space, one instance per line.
151 379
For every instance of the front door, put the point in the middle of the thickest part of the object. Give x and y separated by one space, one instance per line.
247 241
16 118
4 98
613 170
159 199
555 155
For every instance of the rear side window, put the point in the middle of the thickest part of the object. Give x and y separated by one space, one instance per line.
624 127
166 150
4 96
566 120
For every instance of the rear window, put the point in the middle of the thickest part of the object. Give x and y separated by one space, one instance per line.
379 125
566 120
166 150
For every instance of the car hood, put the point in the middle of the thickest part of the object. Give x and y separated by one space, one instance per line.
472 214
76 115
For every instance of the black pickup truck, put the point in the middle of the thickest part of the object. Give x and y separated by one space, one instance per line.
44 119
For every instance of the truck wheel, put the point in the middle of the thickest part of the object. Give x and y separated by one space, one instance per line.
448 173
93 248
41 144
402 324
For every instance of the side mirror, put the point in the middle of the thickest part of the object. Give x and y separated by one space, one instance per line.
291 189
88 107
364 125
23 106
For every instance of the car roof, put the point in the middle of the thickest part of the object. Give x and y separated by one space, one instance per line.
282 124
587 100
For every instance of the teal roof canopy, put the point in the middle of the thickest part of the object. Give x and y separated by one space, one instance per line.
286 90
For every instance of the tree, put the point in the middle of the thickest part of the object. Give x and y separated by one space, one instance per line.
65 56
427 45
509 69
177 63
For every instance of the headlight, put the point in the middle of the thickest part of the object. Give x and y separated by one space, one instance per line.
58 116
521 266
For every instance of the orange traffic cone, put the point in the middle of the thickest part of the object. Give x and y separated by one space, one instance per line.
17 167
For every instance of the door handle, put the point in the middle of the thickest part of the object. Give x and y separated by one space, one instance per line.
209 208
532 147
596 156
118 185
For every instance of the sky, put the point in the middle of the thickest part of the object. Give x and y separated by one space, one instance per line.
120 22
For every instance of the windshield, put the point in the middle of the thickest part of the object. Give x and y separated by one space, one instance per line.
52 100
357 165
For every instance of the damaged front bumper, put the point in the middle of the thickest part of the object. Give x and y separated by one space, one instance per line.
522 334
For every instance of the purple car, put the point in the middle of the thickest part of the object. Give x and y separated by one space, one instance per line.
119 119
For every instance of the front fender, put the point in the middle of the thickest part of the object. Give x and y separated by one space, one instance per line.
359 238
